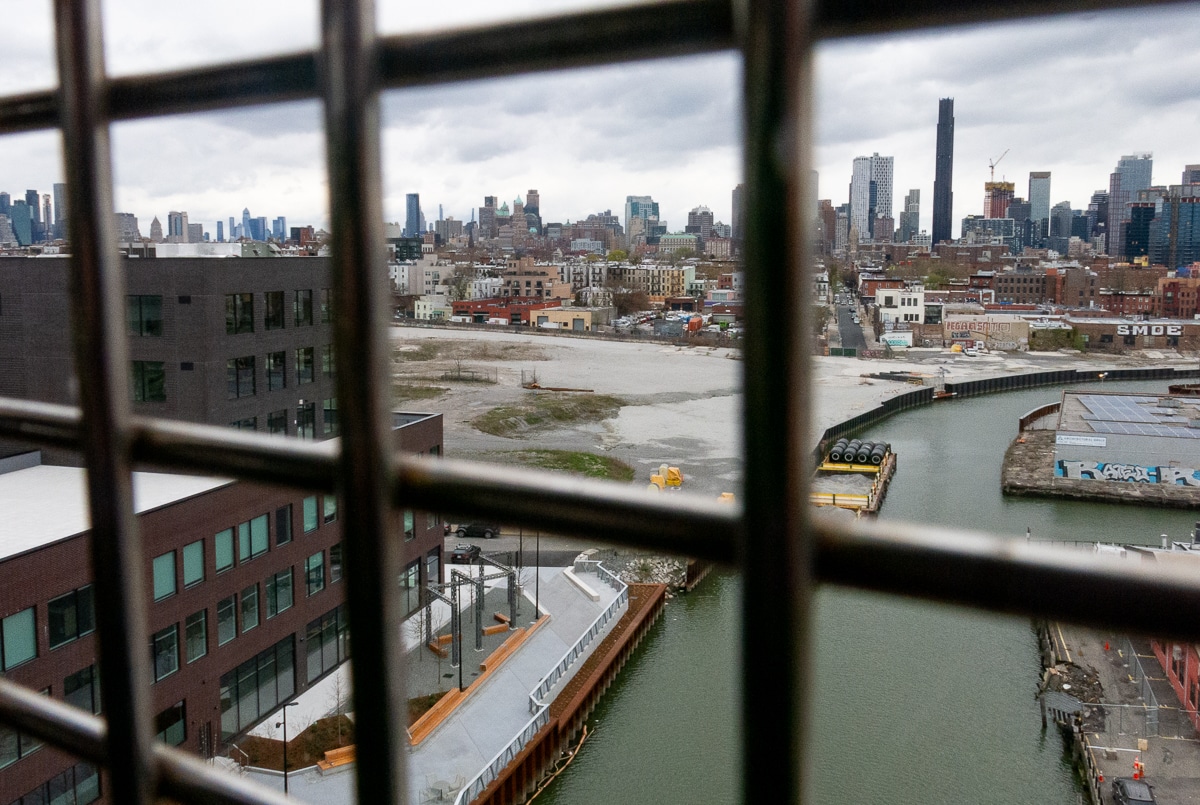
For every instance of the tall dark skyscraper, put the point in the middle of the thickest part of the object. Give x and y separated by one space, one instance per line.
943 175
412 215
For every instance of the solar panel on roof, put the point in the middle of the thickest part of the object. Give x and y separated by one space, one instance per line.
1144 429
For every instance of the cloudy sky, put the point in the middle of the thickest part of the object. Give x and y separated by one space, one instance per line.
1069 95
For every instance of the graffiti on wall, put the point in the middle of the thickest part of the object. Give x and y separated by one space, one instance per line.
1134 473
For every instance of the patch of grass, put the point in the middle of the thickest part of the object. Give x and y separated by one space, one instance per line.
402 391
546 410
304 749
575 462
419 351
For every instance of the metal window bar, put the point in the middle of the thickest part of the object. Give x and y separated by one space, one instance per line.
347 73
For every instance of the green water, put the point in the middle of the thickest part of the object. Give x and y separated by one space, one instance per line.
913 703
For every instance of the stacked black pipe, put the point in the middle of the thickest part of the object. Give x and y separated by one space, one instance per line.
856 451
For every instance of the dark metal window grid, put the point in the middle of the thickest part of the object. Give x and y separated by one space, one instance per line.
769 537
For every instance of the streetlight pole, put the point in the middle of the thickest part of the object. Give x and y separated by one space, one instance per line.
285 743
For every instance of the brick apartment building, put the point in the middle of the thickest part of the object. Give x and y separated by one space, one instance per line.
239 342
245 602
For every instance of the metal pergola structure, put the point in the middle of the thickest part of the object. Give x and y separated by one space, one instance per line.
770 537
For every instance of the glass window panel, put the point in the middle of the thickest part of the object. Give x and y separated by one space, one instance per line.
335 563
20 638
283 525
86 610
273 318
249 607
247 694
195 631
164 575
310 513
63 616
284 658
166 652
193 563
312 642
330 508
87 784
223 544
243 541
226 620
304 311
268 695
276 371
10 746
229 714
258 534
315 572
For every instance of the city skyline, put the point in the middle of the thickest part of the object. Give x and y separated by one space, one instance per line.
587 140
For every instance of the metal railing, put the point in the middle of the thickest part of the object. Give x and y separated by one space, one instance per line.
577 650
539 708
770 537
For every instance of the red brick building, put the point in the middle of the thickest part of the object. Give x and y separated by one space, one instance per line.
513 311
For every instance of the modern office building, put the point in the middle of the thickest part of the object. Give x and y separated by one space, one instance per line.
1191 174
943 177
1174 235
412 215
738 216
222 342
1039 202
910 218
244 598
60 211
996 198
643 207
870 193
1131 175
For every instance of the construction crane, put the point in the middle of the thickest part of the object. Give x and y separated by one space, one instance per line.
992 163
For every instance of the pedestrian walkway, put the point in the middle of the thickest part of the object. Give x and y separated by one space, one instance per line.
492 715
1140 716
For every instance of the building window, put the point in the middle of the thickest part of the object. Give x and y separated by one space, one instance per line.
304 365
148 381
165 651
239 313
82 689
79 784
283 525
330 508
326 305
314 572
249 423
226 620
277 423
273 318
14 746
410 588
335 563
310 513
144 315
409 528
330 410
71 616
252 538
193 563
303 308
249 608
170 725
164 576
306 420
239 374
276 371
327 365
257 686
326 643
279 593
195 635
223 547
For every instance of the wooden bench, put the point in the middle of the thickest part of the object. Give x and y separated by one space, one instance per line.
500 616
336 757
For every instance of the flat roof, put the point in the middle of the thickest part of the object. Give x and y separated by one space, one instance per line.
46 504
1130 414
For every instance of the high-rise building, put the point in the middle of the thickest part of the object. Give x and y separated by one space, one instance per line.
870 193
156 231
60 211
943 176
279 229
1191 174
412 215
1175 232
1039 202
1132 174
233 233
739 213
487 217
643 207
247 230
47 220
127 228
700 221
5 203
21 218
996 198
910 218
177 227
220 231
195 233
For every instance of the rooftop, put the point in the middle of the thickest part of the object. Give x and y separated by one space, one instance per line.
1130 414
30 521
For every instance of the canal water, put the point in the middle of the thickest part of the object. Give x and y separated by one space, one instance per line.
914 703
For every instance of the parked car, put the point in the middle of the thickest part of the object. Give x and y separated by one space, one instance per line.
464 554
1128 791
476 530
